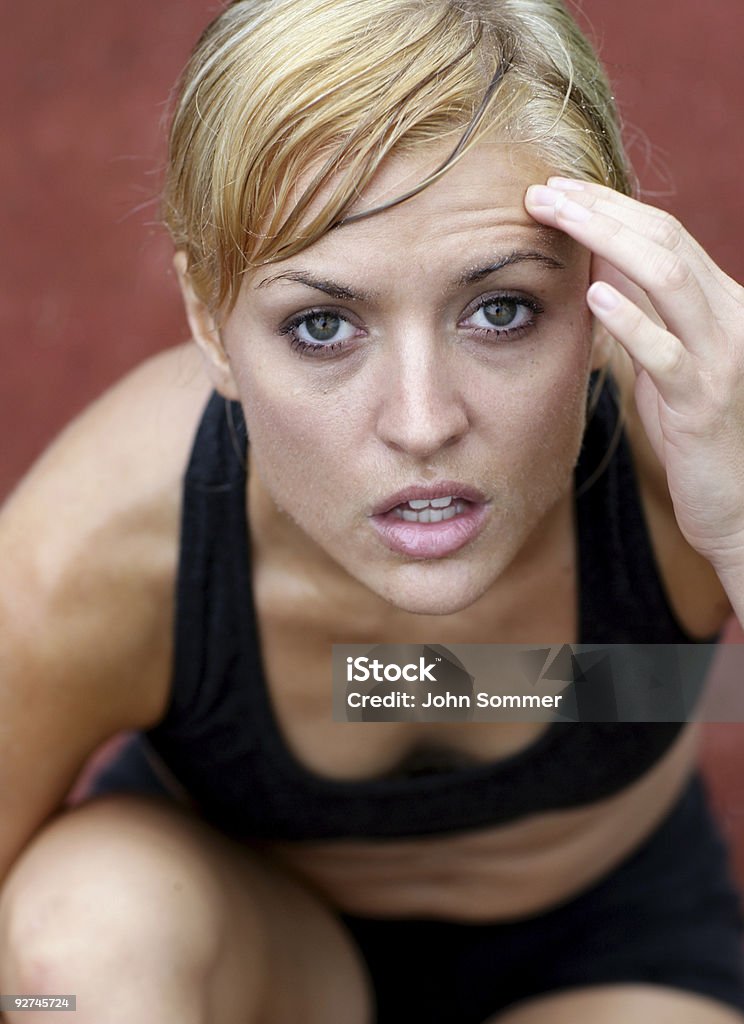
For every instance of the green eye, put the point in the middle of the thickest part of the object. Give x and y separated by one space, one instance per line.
320 332
506 317
500 312
322 326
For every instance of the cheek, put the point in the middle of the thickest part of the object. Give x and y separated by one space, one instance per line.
563 397
294 436
541 421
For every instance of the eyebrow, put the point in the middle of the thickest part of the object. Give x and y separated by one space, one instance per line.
340 291
332 288
521 256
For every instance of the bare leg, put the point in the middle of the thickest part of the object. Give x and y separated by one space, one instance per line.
619 1004
146 913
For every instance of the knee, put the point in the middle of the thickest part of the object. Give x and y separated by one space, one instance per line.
103 893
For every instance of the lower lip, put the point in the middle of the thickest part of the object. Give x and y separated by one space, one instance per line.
431 540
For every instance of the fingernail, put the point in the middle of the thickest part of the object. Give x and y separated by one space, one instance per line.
603 297
567 184
539 195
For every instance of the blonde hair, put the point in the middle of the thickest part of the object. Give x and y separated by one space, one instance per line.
275 89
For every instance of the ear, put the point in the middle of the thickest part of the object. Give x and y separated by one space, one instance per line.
205 332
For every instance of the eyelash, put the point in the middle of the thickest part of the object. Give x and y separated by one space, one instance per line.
304 348
324 351
514 332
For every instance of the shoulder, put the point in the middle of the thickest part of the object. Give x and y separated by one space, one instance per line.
693 589
89 544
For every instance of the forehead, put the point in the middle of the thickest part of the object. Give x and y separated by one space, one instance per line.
491 174
476 204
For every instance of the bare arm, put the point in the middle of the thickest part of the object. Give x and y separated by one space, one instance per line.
88 550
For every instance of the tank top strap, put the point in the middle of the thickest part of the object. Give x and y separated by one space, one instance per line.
213 528
218 454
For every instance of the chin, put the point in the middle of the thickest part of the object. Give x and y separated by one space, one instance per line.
426 588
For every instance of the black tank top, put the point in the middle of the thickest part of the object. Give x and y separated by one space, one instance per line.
220 737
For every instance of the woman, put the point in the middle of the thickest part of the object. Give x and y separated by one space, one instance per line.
394 305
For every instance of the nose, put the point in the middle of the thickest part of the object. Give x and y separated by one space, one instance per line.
421 408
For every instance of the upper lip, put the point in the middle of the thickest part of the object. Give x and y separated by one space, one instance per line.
441 489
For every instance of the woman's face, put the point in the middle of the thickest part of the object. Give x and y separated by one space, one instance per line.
438 350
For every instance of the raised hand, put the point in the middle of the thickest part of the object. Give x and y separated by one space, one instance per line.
681 320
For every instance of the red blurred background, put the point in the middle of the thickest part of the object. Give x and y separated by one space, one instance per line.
86 286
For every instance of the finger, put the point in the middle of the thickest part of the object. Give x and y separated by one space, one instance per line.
667 276
650 346
601 270
663 226
633 210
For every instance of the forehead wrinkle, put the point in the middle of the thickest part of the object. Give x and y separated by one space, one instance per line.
501 227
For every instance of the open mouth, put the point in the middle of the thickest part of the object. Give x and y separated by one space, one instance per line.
430 527
434 510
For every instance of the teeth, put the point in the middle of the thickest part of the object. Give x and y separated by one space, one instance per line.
418 503
429 515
